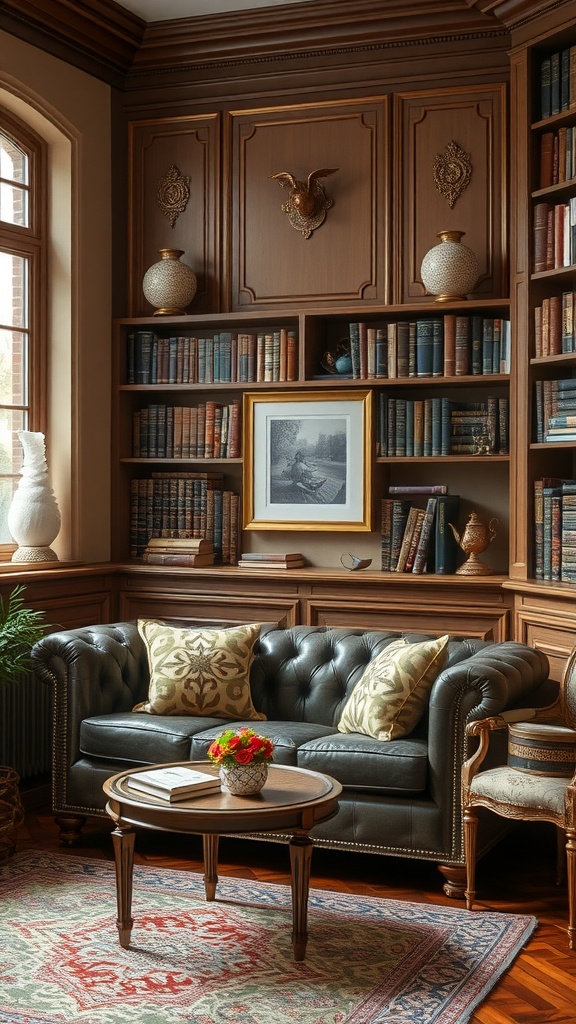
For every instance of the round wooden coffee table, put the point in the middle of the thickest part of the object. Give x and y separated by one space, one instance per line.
292 801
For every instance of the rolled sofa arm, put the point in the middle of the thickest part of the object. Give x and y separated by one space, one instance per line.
96 670
489 682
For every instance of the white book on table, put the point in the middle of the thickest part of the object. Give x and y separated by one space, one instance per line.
174 783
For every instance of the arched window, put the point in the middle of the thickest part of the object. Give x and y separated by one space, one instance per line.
22 299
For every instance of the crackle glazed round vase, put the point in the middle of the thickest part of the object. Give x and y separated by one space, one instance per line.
34 516
450 269
169 285
244 779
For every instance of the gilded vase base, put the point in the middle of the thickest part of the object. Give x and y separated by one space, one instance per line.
451 298
474 567
169 311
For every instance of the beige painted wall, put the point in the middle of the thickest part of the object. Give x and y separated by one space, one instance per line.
72 111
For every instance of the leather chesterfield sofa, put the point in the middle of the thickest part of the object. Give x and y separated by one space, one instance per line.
400 798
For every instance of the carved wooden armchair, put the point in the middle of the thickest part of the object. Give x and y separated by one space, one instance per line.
537 784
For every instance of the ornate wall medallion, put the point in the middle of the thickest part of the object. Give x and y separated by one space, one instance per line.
173 194
452 172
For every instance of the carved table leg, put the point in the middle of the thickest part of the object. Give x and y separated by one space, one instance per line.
123 840
300 865
210 845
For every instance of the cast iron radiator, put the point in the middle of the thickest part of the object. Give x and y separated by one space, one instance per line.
25 742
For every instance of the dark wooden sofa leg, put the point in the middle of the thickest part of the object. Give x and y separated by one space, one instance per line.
70 826
455 884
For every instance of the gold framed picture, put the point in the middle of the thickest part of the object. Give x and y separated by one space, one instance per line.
307 460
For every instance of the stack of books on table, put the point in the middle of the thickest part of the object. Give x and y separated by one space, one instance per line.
173 784
188 551
271 560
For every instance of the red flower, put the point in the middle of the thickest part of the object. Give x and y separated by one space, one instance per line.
244 755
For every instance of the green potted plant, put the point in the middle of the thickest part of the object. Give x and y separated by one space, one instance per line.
20 628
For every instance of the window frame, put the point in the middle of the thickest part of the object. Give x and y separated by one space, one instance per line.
31 243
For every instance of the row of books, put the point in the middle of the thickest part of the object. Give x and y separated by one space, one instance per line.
555 325
554 235
223 357
416 537
440 426
556 410
181 505
208 430
557 156
555 529
449 346
558 82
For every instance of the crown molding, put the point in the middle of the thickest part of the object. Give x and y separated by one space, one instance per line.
520 14
303 29
110 42
98 36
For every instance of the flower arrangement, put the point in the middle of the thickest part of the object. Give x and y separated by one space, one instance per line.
242 747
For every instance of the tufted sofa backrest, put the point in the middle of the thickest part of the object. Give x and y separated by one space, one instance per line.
307 673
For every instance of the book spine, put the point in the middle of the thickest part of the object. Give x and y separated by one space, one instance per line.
541 211
445 545
545 88
424 343
449 345
432 489
421 556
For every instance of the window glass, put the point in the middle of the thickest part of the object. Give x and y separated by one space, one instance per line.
14 182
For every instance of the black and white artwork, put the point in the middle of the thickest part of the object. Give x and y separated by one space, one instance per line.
306 460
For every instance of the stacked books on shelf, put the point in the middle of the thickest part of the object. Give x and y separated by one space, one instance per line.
186 551
416 537
554 325
558 82
557 156
208 430
554 235
181 504
173 784
271 560
219 358
556 410
416 428
555 529
449 346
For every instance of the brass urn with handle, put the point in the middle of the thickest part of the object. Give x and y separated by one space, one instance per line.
475 538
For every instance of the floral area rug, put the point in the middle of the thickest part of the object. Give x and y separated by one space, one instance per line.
230 962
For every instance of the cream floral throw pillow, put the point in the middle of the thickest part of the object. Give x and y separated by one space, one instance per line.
389 699
204 671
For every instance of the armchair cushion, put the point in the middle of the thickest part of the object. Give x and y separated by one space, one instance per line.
390 698
203 672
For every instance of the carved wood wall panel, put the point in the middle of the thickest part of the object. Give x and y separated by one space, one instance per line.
192 145
425 124
344 259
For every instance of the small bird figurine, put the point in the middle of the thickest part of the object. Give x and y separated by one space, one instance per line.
307 204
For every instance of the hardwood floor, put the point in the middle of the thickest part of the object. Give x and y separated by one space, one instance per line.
517 877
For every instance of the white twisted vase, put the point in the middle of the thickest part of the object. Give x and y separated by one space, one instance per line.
34 516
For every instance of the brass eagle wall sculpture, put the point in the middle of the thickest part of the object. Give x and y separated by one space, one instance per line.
307 203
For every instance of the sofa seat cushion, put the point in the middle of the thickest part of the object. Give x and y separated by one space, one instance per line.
141 739
287 737
361 762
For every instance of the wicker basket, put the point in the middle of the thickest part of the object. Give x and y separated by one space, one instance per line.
11 811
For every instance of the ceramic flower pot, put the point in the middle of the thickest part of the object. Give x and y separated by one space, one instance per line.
244 779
